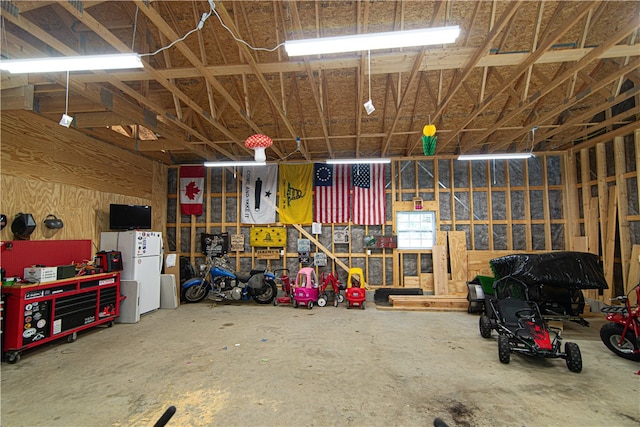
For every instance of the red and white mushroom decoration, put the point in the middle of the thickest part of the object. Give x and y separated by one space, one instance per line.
258 143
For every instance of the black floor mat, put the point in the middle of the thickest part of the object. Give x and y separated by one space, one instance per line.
381 296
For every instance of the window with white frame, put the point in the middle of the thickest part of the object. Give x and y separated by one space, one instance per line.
416 230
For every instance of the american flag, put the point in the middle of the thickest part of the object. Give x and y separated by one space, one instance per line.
331 201
369 198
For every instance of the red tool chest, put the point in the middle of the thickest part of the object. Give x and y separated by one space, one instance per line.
38 313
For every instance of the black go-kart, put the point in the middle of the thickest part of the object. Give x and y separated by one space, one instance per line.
554 280
521 327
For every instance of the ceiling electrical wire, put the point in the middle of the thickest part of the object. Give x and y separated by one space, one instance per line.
135 27
203 19
213 9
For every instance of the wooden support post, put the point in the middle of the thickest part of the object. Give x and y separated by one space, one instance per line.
527 204
634 273
586 196
440 280
636 137
594 236
610 244
570 203
548 244
603 193
623 207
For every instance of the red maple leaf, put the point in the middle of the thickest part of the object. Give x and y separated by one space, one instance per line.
192 190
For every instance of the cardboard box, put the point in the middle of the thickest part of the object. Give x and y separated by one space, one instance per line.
41 274
172 266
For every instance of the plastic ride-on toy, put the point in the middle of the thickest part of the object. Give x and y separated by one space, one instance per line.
521 327
326 281
282 276
355 292
306 291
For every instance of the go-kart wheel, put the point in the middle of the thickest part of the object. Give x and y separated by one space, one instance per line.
504 349
526 313
574 358
485 326
322 301
310 305
340 298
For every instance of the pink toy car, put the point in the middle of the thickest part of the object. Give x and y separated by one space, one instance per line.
306 288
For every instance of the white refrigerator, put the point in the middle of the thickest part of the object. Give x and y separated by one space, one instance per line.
141 261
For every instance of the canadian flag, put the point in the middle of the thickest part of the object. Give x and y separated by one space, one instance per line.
191 189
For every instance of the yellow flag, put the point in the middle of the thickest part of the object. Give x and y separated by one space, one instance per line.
296 194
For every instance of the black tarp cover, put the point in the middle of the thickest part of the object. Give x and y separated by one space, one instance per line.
579 270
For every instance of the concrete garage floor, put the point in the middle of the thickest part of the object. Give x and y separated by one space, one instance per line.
242 364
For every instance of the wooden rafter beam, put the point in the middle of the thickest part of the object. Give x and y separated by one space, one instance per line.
549 133
312 82
249 57
576 98
619 118
164 28
95 93
503 24
100 119
534 45
624 130
363 24
412 78
435 60
547 88
483 50
547 43
409 85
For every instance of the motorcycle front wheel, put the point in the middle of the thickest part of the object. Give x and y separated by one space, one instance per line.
610 333
270 291
197 292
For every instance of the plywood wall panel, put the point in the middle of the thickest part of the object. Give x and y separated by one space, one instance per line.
46 170
35 147
458 254
85 213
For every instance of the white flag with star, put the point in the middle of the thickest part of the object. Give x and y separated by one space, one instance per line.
259 188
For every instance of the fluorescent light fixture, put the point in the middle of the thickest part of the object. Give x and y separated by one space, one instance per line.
372 41
72 63
355 161
233 164
496 156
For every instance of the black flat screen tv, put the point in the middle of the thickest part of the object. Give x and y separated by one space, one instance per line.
129 217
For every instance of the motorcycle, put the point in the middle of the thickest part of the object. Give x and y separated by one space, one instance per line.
219 278
622 331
